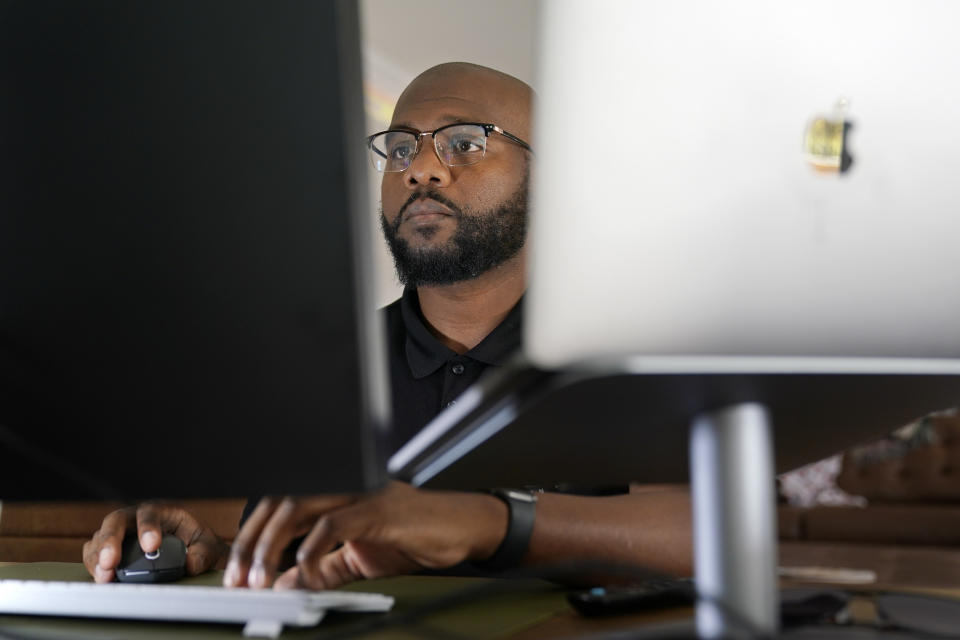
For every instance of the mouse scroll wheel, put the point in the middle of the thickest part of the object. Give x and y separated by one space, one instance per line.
152 555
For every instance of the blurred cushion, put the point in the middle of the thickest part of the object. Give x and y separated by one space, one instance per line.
918 463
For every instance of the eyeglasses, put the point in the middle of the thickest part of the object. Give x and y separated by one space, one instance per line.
458 144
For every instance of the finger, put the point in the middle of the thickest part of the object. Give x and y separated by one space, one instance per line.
285 524
101 553
355 522
289 579
91 550
91 553
332 570
150 526
204 554
292 518
204 547
241 553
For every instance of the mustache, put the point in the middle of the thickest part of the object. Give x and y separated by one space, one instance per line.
428 194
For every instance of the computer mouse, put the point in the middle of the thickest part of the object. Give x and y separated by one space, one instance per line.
164 565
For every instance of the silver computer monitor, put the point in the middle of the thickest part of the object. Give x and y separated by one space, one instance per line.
747 179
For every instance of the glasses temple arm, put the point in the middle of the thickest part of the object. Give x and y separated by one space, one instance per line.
514 138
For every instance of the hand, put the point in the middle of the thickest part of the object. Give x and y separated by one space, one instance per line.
101 554
398 530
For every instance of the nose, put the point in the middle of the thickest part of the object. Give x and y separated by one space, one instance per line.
426 167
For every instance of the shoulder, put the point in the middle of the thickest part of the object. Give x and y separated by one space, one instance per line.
393 314
393 308
394 322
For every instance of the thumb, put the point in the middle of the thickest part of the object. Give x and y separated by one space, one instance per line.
289 579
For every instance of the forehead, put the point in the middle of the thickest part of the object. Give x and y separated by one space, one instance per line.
430 102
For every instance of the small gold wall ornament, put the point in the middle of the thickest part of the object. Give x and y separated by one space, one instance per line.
825 140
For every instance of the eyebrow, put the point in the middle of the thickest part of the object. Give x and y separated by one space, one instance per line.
446 119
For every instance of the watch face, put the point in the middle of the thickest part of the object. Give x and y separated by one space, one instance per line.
524 496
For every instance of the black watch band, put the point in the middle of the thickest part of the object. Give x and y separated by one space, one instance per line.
522 506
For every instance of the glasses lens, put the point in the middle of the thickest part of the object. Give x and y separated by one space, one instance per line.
393 150
927 614
461 144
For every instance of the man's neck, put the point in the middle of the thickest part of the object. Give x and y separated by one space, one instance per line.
462 314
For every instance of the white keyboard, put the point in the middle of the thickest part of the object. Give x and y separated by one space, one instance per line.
263 611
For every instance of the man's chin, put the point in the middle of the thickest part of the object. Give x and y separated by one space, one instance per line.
432 237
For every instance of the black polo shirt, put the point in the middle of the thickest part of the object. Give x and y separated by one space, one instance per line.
426 375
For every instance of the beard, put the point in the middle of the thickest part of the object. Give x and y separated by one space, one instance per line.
482 241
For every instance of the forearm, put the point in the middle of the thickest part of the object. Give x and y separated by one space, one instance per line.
651 529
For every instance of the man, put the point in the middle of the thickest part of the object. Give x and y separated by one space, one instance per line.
454 215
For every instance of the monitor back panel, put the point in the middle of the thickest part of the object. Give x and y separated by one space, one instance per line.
676 211
179 302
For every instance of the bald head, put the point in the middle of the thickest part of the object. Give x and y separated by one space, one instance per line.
447 223
492 96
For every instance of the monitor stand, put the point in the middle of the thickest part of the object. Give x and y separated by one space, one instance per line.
734 523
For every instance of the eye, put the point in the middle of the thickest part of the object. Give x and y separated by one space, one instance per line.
401 151
464 143
397 146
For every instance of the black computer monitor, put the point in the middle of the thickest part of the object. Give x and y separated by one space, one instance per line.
183 302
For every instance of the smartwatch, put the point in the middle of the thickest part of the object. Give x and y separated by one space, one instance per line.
522 512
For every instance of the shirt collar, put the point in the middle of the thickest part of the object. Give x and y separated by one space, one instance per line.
426 354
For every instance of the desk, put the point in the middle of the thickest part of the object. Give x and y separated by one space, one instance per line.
532 610
489 615
916 568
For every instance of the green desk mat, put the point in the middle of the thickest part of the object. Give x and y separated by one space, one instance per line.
465 608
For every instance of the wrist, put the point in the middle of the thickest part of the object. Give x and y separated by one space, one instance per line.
514 543
492 523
